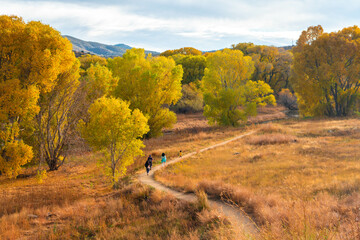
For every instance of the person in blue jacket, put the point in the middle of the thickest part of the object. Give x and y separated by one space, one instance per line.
163 159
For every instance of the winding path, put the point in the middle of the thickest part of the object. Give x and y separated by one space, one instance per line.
241 223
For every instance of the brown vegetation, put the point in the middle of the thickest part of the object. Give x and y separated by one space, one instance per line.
307 189
135 212
270 139
77 201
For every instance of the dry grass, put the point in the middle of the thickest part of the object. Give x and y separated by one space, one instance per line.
77 202
270 139
309 189
268 113
36 197
81 205
271 128
192 133
135 212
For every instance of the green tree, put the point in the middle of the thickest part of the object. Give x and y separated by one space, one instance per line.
229 95
149 84
326 71
116 131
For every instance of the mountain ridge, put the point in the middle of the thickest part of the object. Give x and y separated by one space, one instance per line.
101 49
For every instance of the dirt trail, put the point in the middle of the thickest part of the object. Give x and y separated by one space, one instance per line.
241 223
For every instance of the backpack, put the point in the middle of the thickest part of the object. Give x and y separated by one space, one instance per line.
146 164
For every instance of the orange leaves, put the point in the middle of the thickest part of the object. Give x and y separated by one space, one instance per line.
326 71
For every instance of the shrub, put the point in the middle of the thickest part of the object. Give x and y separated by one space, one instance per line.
288 99
271 139
191 101
202 201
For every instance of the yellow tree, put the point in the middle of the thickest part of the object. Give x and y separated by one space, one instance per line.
183 51
98 81
149 84
115 130
58 117
88 60
272 65
32 56
63 106
229 95
326 71
193 67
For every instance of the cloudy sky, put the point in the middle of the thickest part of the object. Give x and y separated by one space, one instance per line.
169 24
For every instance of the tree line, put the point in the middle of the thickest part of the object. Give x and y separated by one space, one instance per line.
47 95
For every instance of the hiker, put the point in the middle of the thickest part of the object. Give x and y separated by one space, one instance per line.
150 161
180 153
147 166
163 159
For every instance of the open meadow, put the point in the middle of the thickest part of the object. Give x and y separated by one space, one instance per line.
296 179
77 202
257 140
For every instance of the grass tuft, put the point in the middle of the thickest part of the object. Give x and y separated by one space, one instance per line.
269 139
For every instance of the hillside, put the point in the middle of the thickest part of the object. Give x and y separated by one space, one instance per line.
101 49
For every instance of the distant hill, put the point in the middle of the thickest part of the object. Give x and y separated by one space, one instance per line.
100 49
287 47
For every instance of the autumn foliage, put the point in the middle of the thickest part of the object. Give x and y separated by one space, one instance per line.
150 85
326 71
184 51
229 94
32 58
115 130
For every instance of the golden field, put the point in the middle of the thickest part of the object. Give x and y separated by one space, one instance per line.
77 201
297 179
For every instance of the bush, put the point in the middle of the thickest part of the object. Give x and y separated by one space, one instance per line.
288 99
202 200
271 139
191 101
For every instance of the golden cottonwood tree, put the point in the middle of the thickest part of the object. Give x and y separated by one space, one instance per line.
229 95
193 67
183 51
32 56
272 65
326 71
148 84
88 60
98 81
58 116
64 105
117 131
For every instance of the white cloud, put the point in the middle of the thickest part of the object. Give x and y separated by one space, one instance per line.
274 22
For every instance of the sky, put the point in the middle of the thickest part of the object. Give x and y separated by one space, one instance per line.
159 25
